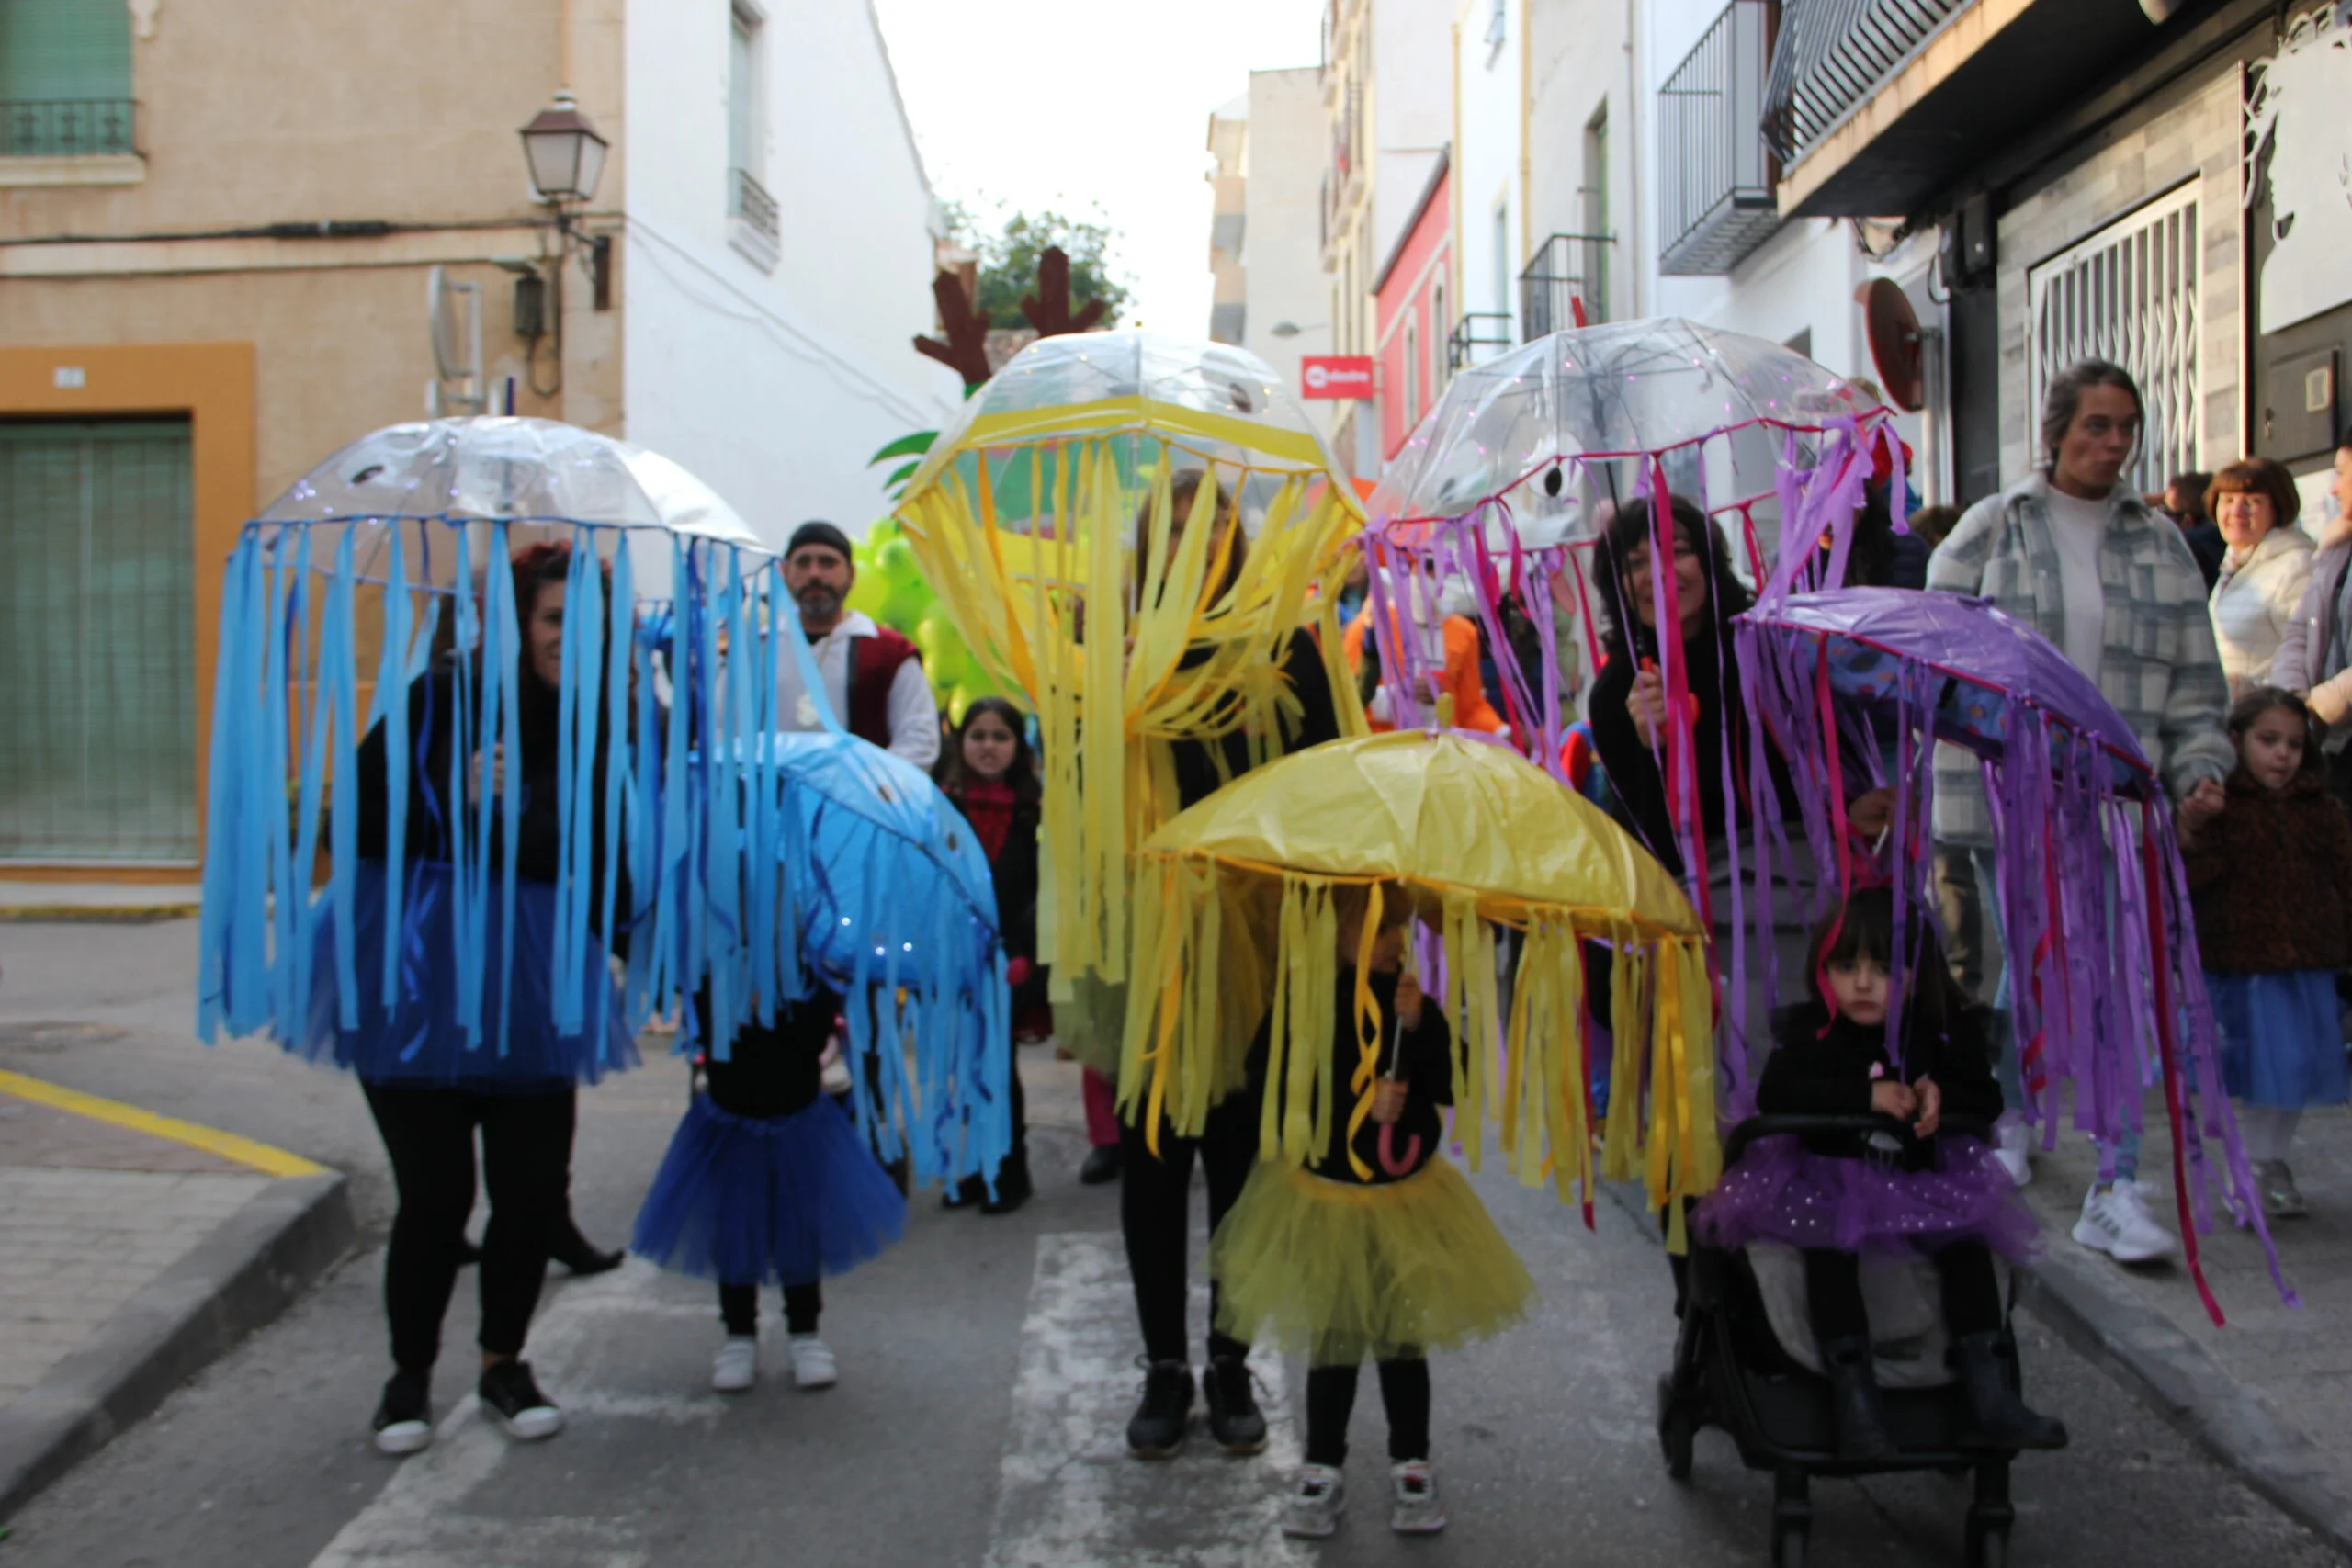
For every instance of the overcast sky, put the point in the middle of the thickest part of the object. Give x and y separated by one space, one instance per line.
1087 104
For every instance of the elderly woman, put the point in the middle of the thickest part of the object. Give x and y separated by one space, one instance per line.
2315 655
2267 567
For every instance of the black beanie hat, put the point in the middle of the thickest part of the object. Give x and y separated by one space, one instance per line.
818 532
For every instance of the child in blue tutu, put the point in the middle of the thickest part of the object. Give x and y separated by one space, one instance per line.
1836 1196
767 1179
2271 877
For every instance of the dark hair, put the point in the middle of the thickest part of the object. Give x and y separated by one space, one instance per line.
1021 775
1864 927
2065 399
2261 700
1630 531
1181 493
2258 476
1933 523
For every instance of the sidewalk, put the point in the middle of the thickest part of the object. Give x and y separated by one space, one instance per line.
2271 1392
133 1249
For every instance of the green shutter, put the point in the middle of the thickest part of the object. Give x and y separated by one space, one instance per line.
64 78
97 647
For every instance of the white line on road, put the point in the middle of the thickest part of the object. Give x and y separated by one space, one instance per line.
1072 1497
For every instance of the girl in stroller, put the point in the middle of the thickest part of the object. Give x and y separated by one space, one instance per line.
1836 1196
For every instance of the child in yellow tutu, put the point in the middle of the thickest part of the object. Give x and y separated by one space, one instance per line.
1377 1246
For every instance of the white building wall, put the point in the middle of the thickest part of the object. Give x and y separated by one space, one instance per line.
1412 112
1288 150
1579 68
1488 120
775 386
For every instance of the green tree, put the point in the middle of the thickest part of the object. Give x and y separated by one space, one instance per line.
1009 262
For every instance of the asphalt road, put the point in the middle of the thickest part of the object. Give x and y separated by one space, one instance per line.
985 1382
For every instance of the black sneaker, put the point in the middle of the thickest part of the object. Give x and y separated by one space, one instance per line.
403 1422
1013 1188
1158 1430
508 1390
581 1257
1103 1165
1235 1420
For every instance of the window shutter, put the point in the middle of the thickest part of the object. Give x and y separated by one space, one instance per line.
59 51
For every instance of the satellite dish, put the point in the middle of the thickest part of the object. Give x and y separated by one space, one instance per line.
1897 346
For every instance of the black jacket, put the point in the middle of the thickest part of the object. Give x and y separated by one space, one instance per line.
1814 1072
1425 1061
1197 773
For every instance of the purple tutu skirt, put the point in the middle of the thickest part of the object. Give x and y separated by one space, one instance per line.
1780 1191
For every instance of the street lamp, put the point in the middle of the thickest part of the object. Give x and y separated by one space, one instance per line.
566 158
565 155
1292 329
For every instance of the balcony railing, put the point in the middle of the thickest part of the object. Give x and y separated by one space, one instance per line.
1833 54
1717 203
68 127
1480 329
751 202
1565 269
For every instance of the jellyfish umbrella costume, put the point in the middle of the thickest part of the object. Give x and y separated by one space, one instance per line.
1024 516
383 579
2109 992
889 910
1506 483
1236 923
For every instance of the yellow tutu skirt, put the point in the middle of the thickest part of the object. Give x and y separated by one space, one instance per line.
1342 1272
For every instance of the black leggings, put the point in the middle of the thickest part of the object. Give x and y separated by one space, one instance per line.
525 1166
1155 1214
739 1308
1833 1284
1331 1399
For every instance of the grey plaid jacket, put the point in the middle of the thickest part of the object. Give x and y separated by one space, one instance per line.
2160 670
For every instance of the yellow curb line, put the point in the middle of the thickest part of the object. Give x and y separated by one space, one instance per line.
228 1146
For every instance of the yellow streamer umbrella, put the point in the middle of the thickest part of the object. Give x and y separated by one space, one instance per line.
1480 840
1026 516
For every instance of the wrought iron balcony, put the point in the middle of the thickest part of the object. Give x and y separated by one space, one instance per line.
1480 329
751 202
1717 205
1565 269
68 127
1833 54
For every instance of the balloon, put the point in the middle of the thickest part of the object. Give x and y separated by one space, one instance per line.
868 594
904 605
896 560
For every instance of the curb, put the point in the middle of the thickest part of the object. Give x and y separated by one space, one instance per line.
2173 1375
251 1268
96 914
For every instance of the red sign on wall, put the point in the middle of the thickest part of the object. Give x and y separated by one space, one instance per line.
1335 376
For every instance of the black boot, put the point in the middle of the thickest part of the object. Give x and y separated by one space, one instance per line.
1102 1163
1998 1418
1158 1430
1013 1186
1235 1420
579 1254
1853 1398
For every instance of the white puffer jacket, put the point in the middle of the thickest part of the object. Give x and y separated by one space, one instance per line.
2255 600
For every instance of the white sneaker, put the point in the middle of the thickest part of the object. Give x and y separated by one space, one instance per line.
2012 1145
2117 1222
1318 1496
1415 1510
812 1363
737 1365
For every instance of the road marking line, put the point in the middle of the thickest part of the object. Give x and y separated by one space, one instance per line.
228 1146
1069 1494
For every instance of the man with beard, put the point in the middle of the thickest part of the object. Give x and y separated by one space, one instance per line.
873 676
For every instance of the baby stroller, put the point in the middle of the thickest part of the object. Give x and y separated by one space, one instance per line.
1732 1369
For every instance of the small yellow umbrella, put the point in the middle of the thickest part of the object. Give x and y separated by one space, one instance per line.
1479 840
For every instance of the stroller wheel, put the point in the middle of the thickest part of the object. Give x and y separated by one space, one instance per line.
1676 1431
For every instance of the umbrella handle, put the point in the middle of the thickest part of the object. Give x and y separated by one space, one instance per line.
1388 1160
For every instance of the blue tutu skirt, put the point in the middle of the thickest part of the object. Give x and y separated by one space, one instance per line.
418 1039
1780 1191
2282 1041
749 1200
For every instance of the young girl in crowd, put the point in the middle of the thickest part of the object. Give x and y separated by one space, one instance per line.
767 1178
2270 962
1377 1247
991 776
1837 1196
